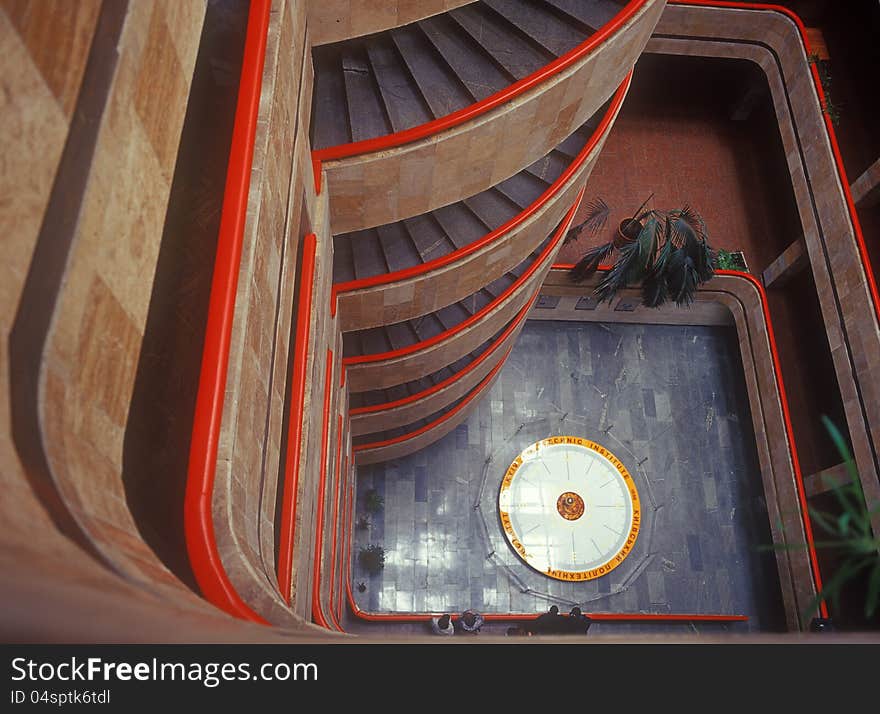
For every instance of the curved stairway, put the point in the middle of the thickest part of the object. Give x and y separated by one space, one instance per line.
379 341
414 241
391 81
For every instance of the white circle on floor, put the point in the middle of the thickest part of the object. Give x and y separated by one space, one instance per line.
569 508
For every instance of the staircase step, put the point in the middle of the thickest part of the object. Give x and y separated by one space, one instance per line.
522 188
428 237
493 208
365 110
343 260
404 103
471 64
397 245
460 224
514 54
590 14
541 24
367 253
330 125
443 91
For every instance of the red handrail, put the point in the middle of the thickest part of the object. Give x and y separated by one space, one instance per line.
335 522
789 431
446 417
503 96
829 128
495 235
201 542
317 613
513 617
477 316
298 380
783 400
425 393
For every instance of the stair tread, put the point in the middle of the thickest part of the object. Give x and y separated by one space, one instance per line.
330 127
592 14
517 56
446 92
492 207
365 110
367 254
523 188
541 24
404 103
400 252
470 63
461 225
428 237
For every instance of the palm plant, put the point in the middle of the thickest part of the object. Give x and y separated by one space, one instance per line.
665 252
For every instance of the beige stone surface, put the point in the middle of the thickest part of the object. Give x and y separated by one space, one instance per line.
335 20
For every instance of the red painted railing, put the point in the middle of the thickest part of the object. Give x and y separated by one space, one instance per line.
525 617
298 382
452 379
317 611
789 431
477 316
201 542
503 96
494 236
335 522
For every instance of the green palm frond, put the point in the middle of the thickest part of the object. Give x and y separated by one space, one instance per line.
588 265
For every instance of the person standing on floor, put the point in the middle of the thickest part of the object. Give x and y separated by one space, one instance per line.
471 621
442 625
578 623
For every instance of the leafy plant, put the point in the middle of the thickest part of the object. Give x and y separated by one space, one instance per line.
362 523
725 260
850 535
665 252
372 558
373 502
823 68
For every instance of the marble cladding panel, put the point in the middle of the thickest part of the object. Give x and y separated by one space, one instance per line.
93 343
57 36
334 20
365 190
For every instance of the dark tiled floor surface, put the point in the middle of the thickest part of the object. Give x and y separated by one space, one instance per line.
669 402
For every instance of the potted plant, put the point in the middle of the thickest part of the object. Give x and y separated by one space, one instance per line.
362 523
372 558
373 502
731 260
666 252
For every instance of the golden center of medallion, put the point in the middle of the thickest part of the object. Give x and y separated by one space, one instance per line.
570 506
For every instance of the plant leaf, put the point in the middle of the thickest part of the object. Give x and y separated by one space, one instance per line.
588 265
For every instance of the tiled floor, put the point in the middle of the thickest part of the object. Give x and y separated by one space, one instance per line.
669 402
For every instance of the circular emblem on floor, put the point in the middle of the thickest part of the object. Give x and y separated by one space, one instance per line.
569 508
